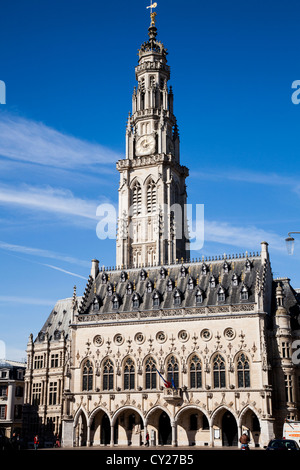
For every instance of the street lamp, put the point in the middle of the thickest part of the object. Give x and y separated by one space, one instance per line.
290 243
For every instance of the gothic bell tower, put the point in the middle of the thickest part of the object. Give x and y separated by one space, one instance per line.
152 227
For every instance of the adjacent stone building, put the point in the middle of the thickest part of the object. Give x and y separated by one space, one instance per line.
11 397
218 331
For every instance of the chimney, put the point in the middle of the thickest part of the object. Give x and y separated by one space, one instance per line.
95 268
264 250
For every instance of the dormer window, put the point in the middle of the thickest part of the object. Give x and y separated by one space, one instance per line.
115 302
182 271
109 290
199 297
225 267
143 275
204 269
221 295
135 301
129 288
95 304
235 280
156 299
104 278
212 281
169 285
248 265
190 283
244 293
149 286
162 273
177 298
123 276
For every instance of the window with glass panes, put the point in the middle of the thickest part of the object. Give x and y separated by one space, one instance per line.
173 371
108 375
219 372
87 376
129 375
243 371
150 371
195 372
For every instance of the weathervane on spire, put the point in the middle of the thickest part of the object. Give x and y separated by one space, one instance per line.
152 13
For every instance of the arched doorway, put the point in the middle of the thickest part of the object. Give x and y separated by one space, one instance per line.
105 430
164 430
229 430
80 430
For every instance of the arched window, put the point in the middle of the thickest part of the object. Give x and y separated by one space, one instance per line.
129 375
87 376
173 371
137 199
151 197
195 372
108 375
150 372
243 371
219 379
244 293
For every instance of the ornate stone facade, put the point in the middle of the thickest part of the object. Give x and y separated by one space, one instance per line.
219 329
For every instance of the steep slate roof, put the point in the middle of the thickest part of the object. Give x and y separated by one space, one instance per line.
222 270
58 321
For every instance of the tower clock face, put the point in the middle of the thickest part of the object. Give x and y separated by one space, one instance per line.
145 145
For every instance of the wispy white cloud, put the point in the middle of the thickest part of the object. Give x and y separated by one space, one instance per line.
245 237
249 176
64 271
25 140
42 253
26 300
48 199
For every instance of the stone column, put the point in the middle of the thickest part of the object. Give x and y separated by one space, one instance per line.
111 435
10 401
174 434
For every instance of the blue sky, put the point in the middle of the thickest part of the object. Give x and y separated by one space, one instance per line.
68 67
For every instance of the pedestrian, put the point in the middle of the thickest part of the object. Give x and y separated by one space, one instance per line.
57 441
36 442
147 439
244 440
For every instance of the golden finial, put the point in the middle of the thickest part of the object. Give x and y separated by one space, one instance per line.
220 279
95 288
114 287
152 13
197 280
154 283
